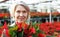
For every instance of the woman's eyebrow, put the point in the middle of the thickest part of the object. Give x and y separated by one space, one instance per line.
18 11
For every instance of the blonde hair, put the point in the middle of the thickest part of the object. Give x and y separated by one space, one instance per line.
26 7
14 5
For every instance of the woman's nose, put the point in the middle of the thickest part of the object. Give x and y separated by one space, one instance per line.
21 14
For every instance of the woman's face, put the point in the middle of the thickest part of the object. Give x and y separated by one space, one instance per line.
21 14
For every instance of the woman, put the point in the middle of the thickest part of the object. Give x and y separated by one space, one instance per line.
21 15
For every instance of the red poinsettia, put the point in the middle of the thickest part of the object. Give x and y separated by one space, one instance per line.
29 36
58 35
51 28
41 35
44 28
48 28
21 26
0 32
6 28
32 30
57 26
29 31
26 31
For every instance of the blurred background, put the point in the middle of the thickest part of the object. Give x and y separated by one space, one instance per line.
39 9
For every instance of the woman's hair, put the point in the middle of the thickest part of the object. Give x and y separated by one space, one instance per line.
14 6
26 7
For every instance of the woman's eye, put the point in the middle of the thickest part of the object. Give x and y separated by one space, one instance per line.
18 11
24 11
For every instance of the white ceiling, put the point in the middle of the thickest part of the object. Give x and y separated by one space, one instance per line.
54 3
31 1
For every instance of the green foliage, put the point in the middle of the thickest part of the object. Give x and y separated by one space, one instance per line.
50 36
12 33
34 35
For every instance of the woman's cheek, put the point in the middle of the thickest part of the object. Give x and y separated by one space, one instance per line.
15 16
25 14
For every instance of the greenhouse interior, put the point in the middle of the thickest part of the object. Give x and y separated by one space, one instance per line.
41 18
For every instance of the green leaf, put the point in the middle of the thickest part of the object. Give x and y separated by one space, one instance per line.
50 36
34 35
34 23
12 33
20 34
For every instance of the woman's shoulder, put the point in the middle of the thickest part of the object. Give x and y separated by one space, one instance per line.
12 25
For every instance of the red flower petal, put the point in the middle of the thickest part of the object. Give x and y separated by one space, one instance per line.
41 35
32 30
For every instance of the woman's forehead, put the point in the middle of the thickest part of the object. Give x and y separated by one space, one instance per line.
21 8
